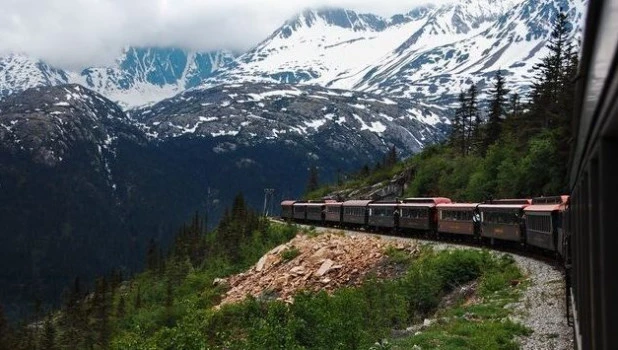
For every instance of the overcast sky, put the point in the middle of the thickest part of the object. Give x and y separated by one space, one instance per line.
78 33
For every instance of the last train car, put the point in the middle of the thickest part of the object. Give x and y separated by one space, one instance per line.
287 210
544 222
419 214
504 219
300 211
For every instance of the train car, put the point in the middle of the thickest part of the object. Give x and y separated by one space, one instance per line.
333 212
504 220
300 211
458 218
382 214
420 213
355 212
544 223
287 210
315 211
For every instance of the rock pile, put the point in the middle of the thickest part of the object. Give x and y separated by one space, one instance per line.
326 262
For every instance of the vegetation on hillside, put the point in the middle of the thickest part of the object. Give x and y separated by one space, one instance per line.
520 150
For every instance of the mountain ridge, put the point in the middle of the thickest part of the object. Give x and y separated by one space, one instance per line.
428 54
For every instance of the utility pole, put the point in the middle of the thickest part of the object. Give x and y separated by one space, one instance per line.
268 201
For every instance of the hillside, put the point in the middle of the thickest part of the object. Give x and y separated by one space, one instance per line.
365 290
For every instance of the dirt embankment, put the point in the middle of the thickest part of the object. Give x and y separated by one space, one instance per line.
326 262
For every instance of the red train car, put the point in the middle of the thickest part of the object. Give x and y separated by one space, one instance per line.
458 218
504 219
420 213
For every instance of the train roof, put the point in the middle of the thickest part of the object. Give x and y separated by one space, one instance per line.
458 206
288 202
545 208
356 203
334 204
503 206
318 204
384 204
428 200
417 205
525 201
551 200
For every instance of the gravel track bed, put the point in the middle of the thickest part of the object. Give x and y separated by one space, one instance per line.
542 306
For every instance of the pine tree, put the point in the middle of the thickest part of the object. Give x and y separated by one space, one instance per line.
137 303
49 335
550 79
169 302
391 157
458 134
121 308
472 116
101 313
497 111
312 182
152 258
6 341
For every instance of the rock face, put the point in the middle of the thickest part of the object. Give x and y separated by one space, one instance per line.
326 262
318 120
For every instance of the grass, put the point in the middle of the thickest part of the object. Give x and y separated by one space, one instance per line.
289 254
482 325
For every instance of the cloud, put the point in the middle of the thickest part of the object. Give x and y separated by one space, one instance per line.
79 33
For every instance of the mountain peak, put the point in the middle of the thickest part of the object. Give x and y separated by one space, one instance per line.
333 17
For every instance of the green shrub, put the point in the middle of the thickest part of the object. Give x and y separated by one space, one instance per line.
289 254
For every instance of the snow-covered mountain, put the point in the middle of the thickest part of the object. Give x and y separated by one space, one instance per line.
428 54
20 72
349 123
147 75
139 76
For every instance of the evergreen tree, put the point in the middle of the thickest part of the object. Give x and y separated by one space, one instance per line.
550 79
169 302
121 308
458 135
312 182
497 111
152 257
137 303
101 313
391 157
473 120
6 341
49 335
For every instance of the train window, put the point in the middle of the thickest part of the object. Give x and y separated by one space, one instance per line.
414 213
354 211
456 215
540 223
333 210
501 217
388 211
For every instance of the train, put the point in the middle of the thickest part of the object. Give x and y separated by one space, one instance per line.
536 222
